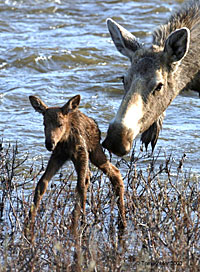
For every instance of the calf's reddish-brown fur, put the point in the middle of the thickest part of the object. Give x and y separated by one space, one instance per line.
71 135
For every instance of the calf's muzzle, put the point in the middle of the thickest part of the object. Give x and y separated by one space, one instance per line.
50 145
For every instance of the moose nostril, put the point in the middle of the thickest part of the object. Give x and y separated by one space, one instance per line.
50 145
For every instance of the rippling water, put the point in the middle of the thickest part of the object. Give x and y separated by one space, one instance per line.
56 49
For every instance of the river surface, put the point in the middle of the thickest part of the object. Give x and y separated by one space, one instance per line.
57 49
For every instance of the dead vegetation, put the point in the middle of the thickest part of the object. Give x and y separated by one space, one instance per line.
162 209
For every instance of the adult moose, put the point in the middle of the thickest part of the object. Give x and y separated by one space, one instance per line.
71 135
156 76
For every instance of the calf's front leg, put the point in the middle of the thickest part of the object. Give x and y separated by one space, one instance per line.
54 164
80 161
98 158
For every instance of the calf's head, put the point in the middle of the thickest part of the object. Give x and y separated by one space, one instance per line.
149 84
56 120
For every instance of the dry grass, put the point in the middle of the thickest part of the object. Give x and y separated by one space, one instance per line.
162 208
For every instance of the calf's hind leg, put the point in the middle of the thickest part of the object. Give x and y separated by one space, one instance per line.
98 158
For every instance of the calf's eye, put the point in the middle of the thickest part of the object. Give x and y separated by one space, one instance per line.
158 87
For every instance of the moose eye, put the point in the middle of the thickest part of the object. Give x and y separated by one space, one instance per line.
158 87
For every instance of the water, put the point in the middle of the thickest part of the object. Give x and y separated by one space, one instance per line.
57 49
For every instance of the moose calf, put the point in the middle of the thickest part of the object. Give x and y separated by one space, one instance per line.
71 135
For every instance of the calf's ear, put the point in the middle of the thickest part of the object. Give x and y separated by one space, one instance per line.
72 104
177 44
37 104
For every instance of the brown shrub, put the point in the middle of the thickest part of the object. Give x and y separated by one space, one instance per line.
162 209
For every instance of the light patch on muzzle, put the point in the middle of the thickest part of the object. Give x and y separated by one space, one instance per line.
129 114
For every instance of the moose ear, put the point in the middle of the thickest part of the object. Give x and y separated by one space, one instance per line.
177 44
72 104
37 104
124 41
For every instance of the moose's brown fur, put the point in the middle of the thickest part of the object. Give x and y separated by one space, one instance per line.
155 77
71 135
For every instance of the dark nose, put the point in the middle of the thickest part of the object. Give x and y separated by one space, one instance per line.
50 145
118 139
116 148
105 144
